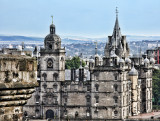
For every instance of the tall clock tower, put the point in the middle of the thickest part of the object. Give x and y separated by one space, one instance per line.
52 73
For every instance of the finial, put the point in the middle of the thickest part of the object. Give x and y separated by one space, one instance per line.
95 47
117 11
52 19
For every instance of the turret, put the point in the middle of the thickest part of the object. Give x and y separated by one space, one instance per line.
146 62
128 62
97 60
121 63
133 75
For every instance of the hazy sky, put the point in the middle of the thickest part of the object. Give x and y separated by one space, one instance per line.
92 18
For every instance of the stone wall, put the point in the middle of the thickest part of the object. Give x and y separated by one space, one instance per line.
18 77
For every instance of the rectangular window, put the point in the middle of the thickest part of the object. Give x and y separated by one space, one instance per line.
88 114
88 100
56 102
65 100
88 88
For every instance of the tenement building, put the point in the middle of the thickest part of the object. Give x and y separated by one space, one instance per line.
115 88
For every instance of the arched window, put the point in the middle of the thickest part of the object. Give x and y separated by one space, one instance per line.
55 87
25 113
65 99
49 46
115 99
96 110
44 75
62 62
45 86
115 87
97 99
55 76
97 87
49 114
65 112
37 98
88 98
88 112
76 114
55 100
116 77
88 88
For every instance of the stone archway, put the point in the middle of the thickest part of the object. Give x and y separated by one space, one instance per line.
49 114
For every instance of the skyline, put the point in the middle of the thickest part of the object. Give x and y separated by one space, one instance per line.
91 18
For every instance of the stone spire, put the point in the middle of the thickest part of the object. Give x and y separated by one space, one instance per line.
116 32
117 42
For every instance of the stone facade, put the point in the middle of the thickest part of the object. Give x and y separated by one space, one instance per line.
113 89
18 77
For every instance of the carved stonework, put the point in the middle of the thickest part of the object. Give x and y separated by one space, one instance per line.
18 77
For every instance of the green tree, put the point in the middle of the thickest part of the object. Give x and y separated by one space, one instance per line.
75 62
156 86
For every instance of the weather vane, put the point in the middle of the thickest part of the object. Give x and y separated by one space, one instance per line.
52 19
116 11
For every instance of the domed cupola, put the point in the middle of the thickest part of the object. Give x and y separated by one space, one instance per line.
146 60
152 61
133 72
128 60
121 63
52 41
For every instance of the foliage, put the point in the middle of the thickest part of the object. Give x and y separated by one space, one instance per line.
156 87
75 62
156 107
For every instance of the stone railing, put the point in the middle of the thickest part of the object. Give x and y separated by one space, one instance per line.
18 77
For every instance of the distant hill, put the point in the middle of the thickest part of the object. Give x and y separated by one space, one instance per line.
68 40
19 39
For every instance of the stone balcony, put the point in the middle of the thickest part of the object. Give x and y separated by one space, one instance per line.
18 77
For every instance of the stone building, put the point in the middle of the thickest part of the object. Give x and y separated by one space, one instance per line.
113 89
18 77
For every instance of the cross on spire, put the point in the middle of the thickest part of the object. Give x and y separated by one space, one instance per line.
52 19
117 11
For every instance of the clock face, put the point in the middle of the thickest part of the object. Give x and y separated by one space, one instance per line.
50 63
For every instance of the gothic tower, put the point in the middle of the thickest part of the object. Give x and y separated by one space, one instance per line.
112 79
117 41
